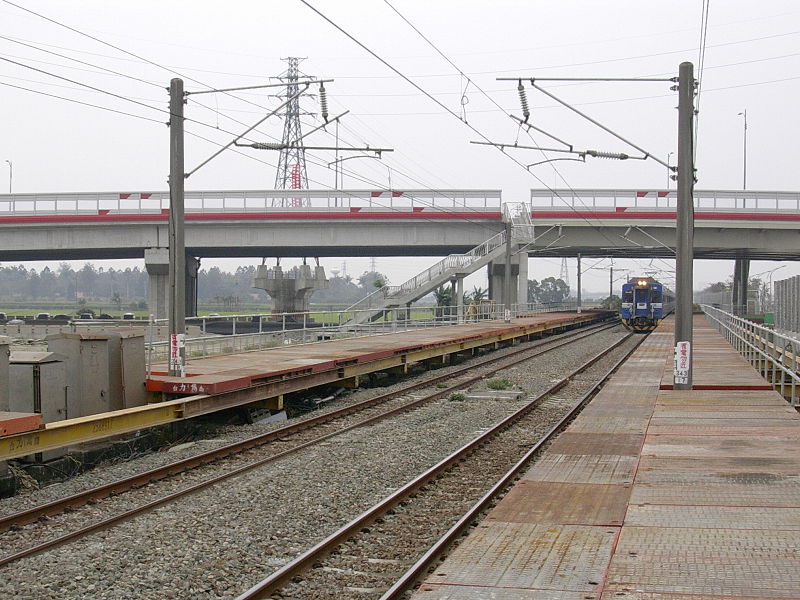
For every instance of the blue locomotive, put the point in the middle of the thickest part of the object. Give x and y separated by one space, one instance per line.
645 302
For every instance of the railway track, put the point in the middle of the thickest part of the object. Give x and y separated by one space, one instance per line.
237 458
384 551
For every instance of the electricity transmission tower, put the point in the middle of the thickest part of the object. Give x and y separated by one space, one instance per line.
291 173
564 275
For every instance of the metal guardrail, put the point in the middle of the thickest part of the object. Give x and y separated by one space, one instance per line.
787 305
775 355
719 200
250 201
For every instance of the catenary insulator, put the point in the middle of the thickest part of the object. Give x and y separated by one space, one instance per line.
526 112
612 155
323 101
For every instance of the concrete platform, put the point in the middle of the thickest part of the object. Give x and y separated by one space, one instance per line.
213 375
650 494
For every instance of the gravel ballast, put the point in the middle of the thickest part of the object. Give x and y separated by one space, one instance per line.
217 542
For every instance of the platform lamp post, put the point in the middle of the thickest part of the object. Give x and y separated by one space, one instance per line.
685 230
10 174
744 154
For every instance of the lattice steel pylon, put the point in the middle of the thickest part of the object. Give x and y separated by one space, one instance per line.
291 173
564 275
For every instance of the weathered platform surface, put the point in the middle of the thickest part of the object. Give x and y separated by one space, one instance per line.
717 365
650 494
237 371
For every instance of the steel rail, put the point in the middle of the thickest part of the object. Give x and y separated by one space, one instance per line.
313 555
113 520
418 570
138 480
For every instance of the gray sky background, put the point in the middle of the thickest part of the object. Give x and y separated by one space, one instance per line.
751 63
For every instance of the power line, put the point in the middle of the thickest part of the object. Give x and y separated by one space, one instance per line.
700 66
86 85
418 87
555 169
121 112
112 71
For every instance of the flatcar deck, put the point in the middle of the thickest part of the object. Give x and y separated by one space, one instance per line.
650 494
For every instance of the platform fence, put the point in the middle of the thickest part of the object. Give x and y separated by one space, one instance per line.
249 332
787 306
776 356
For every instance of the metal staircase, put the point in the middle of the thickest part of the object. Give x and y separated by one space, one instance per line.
451 267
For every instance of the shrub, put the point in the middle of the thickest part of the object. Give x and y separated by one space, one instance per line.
498 384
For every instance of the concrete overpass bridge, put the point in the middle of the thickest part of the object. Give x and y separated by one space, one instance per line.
729 224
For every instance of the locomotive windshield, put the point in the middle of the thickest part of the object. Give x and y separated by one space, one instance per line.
627 295
655 295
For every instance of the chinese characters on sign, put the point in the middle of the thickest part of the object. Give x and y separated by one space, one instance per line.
683 360
177 342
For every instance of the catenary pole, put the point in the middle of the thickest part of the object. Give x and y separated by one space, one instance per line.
177 247
507 267
685 228
579 282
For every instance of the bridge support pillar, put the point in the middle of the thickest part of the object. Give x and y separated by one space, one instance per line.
497 280
522 281
156 263
290 290
192 267
459 299
741 276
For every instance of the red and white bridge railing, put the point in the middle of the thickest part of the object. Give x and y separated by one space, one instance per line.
735 201
262 201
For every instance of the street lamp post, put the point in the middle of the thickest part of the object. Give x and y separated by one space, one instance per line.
744 153
10 174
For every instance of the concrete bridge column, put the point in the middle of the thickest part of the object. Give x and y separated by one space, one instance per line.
156 262
741 276
497 280
522 278
460 298
192 267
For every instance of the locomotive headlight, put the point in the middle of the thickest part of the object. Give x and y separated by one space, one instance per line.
642 283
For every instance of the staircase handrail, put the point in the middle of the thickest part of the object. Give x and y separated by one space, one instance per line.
452 262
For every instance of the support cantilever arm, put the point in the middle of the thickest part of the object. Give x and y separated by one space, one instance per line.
248 130
600 125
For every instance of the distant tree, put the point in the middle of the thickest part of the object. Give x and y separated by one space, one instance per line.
719 286
370 280
443 295
534 291
550 290
613 302
476 295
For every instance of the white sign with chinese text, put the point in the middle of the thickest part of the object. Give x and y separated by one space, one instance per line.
177 342
683 361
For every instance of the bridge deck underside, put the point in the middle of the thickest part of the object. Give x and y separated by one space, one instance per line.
649 494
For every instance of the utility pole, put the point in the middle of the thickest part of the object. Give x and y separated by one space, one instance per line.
177 246
611 281
685 230
579 282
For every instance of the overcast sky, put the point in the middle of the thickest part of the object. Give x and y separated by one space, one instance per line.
751 62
